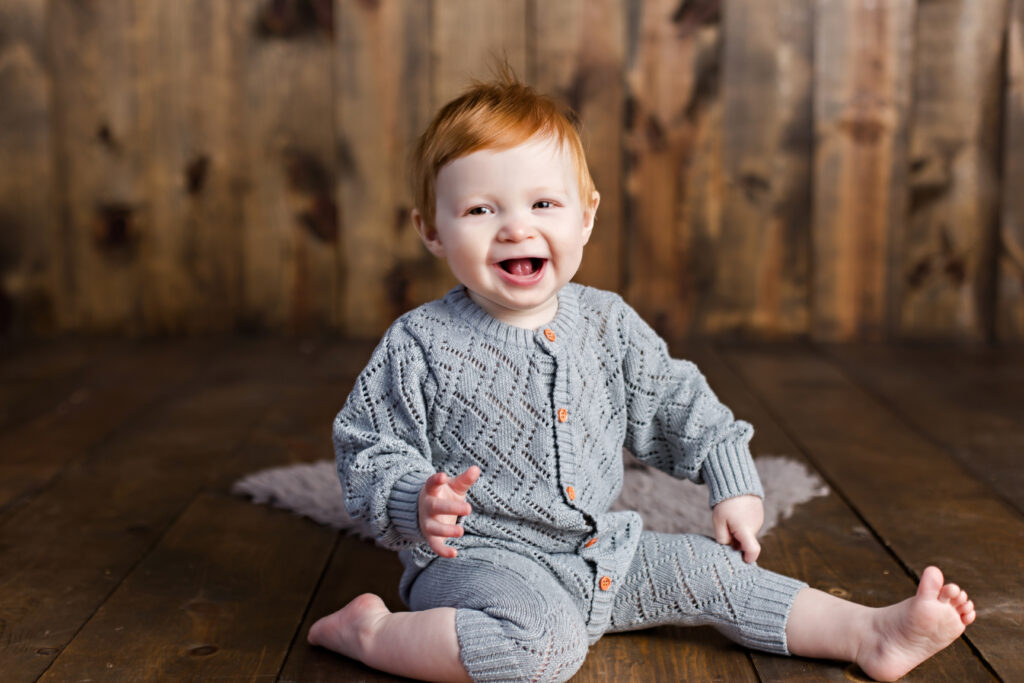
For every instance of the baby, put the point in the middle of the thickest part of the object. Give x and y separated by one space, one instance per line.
484 441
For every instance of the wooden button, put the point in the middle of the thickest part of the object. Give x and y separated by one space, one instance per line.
550 334
563 414
605 583
590 543
571 492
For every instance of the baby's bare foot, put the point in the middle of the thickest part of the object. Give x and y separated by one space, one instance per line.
349 630
911 631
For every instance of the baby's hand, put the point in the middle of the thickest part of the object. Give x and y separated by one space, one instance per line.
737 521
442 501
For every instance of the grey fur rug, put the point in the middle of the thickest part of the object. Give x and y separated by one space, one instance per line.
666 504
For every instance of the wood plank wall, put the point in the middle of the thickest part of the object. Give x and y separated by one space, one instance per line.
835 169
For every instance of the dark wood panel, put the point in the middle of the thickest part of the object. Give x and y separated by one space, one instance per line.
192 65
1010 275
66 549
116 389
862 99
947 246
28 210
826 544
666 653
290 265
672 172
218 597
970 403
99 154
468 37
47 377
761 250
921 503
384 91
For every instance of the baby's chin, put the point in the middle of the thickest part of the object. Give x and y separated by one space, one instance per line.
520 311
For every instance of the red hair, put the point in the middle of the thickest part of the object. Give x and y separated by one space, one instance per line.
495 115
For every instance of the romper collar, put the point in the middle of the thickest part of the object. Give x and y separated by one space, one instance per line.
564 325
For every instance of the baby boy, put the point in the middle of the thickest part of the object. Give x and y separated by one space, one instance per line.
484 441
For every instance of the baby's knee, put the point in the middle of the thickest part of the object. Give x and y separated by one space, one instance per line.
554 645
542 645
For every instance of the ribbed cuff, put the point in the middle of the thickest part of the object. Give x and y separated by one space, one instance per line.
403 506
762 621
729 472
487 653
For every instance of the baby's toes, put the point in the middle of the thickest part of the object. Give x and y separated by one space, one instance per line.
967 613
959 600
949 592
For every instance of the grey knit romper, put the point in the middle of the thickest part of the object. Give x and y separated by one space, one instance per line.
544 569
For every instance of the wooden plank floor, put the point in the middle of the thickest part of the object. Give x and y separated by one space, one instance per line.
124 557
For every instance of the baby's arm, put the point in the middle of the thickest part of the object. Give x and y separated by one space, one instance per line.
737 521
441 501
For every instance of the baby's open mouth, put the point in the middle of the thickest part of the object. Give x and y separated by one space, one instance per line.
522 266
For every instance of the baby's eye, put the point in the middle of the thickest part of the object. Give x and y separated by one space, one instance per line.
543 204
478 211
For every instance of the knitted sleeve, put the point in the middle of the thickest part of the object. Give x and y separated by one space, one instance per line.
676 423
381 443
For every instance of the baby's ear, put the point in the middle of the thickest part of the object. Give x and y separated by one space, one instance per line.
589 213
427 233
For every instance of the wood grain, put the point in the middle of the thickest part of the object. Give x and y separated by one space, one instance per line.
762 247
28 210
383 75
672 172
947 245
232 580
918 499
1010 275
290 268
62 552
972 412
826 544
99 152
95 406
192 68
42 378
861 102
469 38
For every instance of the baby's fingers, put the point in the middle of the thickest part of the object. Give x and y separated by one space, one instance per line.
748 544
434 482
434 527
437 544
722 534
464 481
442 506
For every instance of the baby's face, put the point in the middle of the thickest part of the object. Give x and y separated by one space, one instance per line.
512 227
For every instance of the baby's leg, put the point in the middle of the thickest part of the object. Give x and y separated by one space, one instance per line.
514 621
689 580
419 645
886 642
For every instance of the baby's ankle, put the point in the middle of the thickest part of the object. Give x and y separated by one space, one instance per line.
369 618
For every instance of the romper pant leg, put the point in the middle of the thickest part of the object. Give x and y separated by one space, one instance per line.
514 621
688 579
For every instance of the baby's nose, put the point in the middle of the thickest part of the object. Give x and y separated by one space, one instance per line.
516 229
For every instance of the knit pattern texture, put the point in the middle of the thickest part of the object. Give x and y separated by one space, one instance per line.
545 414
